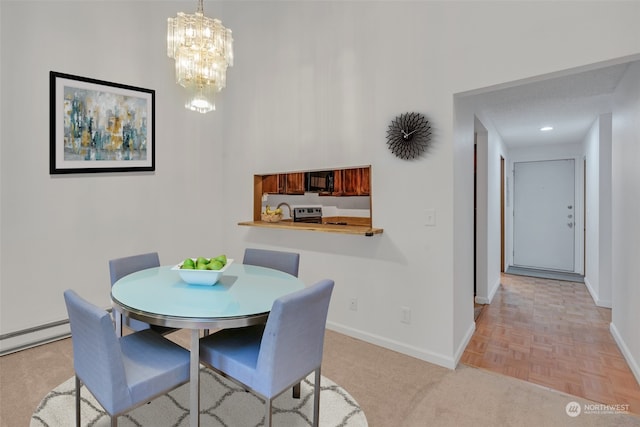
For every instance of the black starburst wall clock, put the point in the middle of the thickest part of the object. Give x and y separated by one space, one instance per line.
408 135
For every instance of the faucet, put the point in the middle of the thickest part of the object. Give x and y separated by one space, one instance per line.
287 205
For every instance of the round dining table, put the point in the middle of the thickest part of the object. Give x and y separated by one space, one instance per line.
242 296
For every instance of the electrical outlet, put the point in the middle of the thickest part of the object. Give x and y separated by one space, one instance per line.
429 217
405 315
353 304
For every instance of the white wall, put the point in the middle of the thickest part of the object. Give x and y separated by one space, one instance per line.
318 94
315 85
59 232
625 214
592 201
482 215
497 150
597 247
490 148
605 142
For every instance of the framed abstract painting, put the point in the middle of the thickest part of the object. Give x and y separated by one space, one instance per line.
99 126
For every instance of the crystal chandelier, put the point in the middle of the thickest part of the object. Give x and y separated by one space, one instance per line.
202 49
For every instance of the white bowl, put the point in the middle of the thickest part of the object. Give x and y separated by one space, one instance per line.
201 277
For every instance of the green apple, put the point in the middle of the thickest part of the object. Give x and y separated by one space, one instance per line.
201 260
201 267
215 265
222 259
188 264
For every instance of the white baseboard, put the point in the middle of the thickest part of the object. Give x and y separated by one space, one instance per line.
427 356
12 343
594 295
633 364
463 345
604 303
592 292
482 300
489 298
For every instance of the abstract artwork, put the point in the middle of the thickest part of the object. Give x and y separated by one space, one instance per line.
99 126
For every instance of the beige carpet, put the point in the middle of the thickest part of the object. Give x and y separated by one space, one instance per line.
474 397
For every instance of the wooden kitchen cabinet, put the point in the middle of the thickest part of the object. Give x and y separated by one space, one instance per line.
283 183
346 182
271 184
365 182
352 182
294 183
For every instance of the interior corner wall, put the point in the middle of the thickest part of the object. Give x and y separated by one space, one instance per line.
497 150
464 130
597 247
625 214
605 214
488 233
482 214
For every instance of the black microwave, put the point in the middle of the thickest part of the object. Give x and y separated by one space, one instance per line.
319 182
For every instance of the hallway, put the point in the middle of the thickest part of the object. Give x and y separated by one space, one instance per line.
549 332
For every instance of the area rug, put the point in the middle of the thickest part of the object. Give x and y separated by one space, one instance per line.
222 404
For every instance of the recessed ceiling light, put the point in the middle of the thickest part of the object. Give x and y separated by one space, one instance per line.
546 128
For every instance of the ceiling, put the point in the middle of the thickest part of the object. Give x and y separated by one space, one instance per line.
569 103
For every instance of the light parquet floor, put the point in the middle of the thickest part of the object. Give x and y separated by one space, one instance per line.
551 333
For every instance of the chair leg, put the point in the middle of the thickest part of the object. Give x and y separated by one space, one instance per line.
118 318
316 399
267 415
77 401
296 391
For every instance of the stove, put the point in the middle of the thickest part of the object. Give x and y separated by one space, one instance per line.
309 215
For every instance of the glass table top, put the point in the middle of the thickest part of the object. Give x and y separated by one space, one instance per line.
243 290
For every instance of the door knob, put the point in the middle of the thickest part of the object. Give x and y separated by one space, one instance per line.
570 225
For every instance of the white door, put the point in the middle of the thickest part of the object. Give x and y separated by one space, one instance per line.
544 214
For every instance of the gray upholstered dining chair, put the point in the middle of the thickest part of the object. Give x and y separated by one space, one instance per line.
288 262
268 359
120 372
120 267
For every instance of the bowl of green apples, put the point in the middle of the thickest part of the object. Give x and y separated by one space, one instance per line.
201 270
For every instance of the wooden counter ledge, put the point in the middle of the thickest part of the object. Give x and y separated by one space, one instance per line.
324 228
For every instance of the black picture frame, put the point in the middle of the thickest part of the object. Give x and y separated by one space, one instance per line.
98 126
